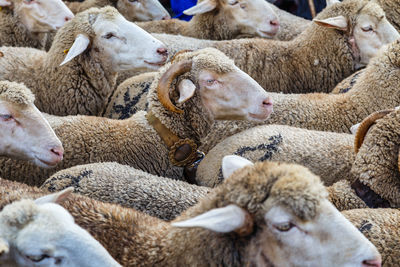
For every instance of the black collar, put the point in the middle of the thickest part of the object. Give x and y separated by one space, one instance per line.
371 199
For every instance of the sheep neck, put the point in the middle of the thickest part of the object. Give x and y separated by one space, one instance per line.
182 152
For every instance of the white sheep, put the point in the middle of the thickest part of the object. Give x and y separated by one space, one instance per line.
25 134
26 23
42 233
78 74
132 10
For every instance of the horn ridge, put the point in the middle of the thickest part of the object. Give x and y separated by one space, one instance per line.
166 80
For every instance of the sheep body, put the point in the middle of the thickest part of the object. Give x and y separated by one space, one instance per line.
115 183
329 155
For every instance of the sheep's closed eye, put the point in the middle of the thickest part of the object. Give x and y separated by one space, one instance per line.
232 3
133 1
367 29
37 258
109 35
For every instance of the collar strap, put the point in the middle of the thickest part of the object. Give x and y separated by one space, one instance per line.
182 152
371 199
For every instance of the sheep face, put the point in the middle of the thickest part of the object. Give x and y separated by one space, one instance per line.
142 10
282 213
233 95
42 233
125 46
25 134
328 239
371 32
247 17
41 15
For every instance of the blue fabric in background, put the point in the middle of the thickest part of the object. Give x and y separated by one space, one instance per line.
178 6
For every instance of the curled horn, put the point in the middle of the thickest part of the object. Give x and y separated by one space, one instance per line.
366 124
165 82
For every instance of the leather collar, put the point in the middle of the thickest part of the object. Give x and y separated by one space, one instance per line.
182 152
371 199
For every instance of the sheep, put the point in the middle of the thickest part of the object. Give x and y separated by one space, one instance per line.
207 86
25 134
41 232
84 80
221 20
132 10
347 84
327 154
26 23
275 65
252 218
120 184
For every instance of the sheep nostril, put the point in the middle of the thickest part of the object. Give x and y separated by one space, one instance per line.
165 18
267 102
372 263
59 152
67 18
162 51
274 22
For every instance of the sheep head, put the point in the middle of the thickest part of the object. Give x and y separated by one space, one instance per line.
363 23
42 233
40 15
106 37
25 134
241 17
207 78
280 214
142 10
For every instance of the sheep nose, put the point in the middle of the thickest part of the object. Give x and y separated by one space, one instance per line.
166 17
372 263
162 51
58 152
267 102
274 22
67 18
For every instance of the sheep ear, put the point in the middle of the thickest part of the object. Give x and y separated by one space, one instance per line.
58 197
186 90
5 3
203 7
78 47
221 220
4 248
232 163
331 2
339 23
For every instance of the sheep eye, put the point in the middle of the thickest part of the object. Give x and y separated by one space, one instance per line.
109 35
210 82
284 227
6 117
38 258
29 1
232 3
243 6
132 1
367 29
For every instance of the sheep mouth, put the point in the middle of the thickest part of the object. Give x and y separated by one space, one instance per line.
46 163
158 64
269 34
260 117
